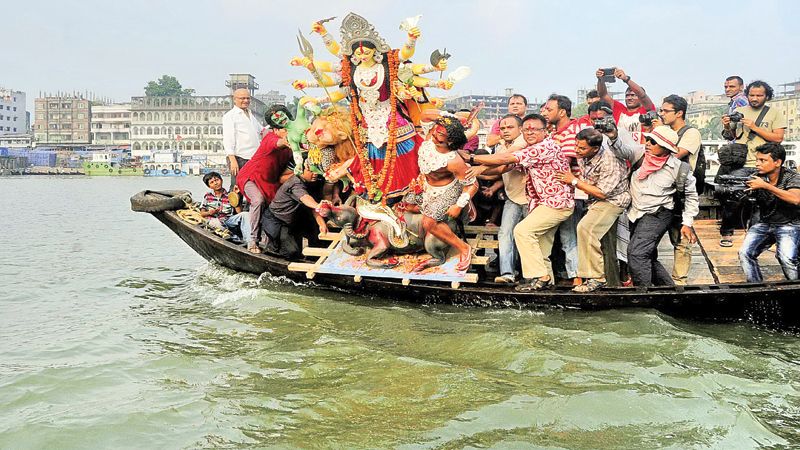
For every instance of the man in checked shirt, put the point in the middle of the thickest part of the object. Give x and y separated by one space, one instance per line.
604 177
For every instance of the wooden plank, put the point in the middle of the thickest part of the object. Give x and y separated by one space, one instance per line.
472 229
316 251
336 237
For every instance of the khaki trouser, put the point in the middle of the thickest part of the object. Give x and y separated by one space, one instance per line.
682 255
597 221
534 237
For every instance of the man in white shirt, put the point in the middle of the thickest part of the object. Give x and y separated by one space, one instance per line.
241 133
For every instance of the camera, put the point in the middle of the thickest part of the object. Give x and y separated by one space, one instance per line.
605 124
732 186
736 116
647 119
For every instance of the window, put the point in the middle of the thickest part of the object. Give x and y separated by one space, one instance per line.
81 116
81 126
15 108
40 116
40 106
15 129
65 106
81 105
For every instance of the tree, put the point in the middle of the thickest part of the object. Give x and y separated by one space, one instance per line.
580 110
166 86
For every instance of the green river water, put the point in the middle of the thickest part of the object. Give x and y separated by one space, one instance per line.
114 334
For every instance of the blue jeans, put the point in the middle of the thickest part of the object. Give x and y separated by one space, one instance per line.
242 220
759 238
568 233
509 256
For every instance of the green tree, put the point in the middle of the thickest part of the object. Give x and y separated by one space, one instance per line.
713 130
580 110
166 86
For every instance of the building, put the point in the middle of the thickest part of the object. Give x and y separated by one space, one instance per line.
494 106
16 141
790 106
13 112
111 125
62 120
272 98
191 124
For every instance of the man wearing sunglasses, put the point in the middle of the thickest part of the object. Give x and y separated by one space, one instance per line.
673 114
653 185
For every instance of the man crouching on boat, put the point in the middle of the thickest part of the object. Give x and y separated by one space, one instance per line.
446 188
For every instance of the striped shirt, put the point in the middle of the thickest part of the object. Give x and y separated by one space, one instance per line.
565 137
212 201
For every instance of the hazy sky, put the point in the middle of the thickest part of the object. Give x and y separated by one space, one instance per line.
113 48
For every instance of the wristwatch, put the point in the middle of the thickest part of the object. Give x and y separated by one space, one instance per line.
574 182
628 80
472 158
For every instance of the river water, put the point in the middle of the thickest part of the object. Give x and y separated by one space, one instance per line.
115 334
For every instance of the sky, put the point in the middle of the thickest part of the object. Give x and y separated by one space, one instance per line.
112 48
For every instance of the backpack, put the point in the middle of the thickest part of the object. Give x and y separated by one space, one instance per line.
700 168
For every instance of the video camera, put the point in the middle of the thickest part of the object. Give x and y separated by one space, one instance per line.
647 119
732 186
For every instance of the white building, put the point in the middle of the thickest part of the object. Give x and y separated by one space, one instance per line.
13 112
111 124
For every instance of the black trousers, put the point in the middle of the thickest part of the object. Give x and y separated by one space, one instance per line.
643 262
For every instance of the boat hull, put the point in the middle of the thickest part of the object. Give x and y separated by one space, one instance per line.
773 305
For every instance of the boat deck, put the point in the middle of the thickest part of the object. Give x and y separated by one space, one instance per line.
724 260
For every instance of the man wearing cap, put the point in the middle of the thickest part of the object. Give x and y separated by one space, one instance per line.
653 186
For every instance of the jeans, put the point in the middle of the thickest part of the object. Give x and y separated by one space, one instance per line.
242 220
759 238
643 262
568 234
509 256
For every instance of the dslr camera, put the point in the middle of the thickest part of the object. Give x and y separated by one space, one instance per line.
647 119
736 116
605 124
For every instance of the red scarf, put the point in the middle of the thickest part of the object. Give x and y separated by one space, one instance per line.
651 164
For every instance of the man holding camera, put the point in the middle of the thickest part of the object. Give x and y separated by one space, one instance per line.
755 124
636 102
673 114
749 127
776 217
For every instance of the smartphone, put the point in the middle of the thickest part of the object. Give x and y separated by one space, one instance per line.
608 76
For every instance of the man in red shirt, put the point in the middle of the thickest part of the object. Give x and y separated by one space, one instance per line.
636 103
260 178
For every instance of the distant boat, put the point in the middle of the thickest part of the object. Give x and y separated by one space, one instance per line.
106 164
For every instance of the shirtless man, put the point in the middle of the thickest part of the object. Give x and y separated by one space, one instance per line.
447 190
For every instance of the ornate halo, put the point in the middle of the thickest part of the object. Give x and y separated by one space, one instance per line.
356 28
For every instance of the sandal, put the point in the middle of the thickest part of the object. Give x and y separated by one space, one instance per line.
252 247
590 285
534 285
726 242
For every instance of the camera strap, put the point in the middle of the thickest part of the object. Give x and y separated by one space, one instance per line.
750 134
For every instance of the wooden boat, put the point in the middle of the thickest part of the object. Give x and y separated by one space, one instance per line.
772 304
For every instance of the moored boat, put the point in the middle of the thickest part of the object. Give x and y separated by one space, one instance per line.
770 304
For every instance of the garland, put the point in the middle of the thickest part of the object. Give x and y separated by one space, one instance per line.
375 186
